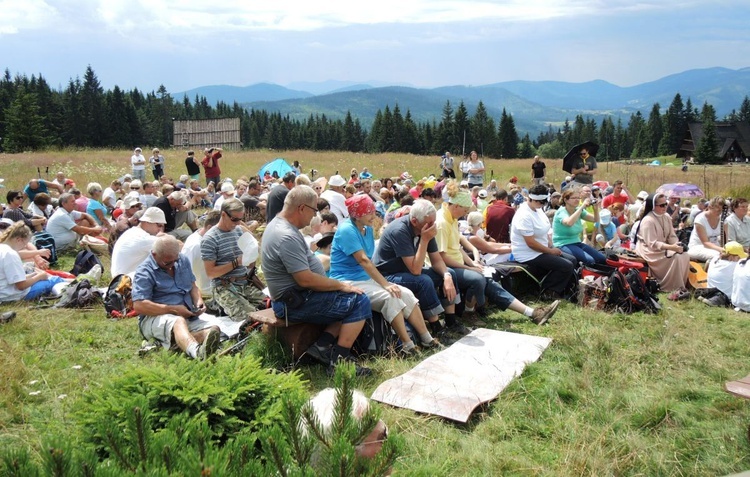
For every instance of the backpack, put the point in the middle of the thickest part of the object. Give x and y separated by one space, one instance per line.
85 261
118 300
620 295
78 295
45 240
643 290
375 338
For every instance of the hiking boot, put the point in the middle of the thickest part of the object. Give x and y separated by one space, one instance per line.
458 329
541 315
445 338
321 354
718 299
210 344
7 317
679 294
408 353
434 344
359 370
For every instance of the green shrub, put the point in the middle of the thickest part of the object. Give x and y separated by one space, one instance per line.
229 395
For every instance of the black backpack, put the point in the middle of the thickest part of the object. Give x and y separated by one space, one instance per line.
44 239
620 295
643 290
118 299
85 261
78 295
375 338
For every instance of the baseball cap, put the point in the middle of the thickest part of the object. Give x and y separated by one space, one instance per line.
336 181
482 194
227 187
735 248
130 201
605 217
643 195
154 215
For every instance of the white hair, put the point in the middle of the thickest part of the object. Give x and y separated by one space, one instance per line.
324 403
475 218
421 209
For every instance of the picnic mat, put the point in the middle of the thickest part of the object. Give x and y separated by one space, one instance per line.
474 370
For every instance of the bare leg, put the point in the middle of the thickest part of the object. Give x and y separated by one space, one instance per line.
348 333
417 321
400 328
517 306
182 336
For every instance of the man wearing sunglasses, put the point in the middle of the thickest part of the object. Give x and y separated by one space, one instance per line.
231 281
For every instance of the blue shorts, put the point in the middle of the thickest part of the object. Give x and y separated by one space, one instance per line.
324 308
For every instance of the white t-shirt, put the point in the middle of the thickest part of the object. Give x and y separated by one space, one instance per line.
109 198
192 250
138 162
60 226
527 222
338 204
740 289
714 234
131 249
11 272
35 210
721 275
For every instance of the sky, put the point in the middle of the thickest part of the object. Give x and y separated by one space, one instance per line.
184 44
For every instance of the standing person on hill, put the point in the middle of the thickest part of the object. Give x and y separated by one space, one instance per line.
157 163
138 164
192 165
476 170
446 166
584 167
211 165
538 171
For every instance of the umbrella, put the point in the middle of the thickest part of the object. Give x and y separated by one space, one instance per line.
680 189
573 154
602 184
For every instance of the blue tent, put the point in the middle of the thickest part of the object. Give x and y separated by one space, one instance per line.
278 165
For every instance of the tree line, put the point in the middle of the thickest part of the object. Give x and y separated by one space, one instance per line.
34 116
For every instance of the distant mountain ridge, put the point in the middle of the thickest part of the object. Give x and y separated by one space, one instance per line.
534 104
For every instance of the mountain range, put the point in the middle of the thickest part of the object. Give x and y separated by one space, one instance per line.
534 104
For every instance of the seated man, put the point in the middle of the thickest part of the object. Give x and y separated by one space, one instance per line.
400 257
135 244
169 303
37 186
66 224
300 291
231 281
192 250
177 213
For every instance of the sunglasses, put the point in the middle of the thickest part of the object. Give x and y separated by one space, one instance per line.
135 188
660 205
234 219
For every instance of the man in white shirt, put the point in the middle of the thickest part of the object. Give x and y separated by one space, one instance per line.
135 244
147 196
109 196
67 223
335 197
192 250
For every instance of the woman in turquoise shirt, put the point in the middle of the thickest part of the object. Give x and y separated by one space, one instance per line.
567 227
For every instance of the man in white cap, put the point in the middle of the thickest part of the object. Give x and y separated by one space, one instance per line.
227 192
335 197
634 209
138 163
134 246
130 205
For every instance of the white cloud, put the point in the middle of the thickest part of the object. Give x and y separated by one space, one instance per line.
201 16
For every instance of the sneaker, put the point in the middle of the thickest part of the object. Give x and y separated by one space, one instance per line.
210 344
718 299
321 354
7 317
446 339
679 294
434 344
458 330
92 275
360 370
541 315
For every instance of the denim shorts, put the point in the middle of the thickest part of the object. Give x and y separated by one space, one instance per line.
324 308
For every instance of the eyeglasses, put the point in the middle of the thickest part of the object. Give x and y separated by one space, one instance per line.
661 205
235 219
18 198
314 209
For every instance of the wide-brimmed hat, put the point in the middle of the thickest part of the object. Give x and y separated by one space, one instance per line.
154 215
336 181
130 201
325 240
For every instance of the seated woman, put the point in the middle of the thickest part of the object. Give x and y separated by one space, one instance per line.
95 208
532 246
15 283
491 251
567 227
737 224
351 253
656 242
705 239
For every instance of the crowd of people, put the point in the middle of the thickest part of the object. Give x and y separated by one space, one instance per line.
335 250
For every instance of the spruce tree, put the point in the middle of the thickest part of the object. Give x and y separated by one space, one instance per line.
708 149
24 126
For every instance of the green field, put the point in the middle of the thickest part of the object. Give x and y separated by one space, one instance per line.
612 395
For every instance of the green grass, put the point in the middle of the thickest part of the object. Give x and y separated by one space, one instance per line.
612 395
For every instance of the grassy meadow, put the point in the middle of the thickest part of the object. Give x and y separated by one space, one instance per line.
612 395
